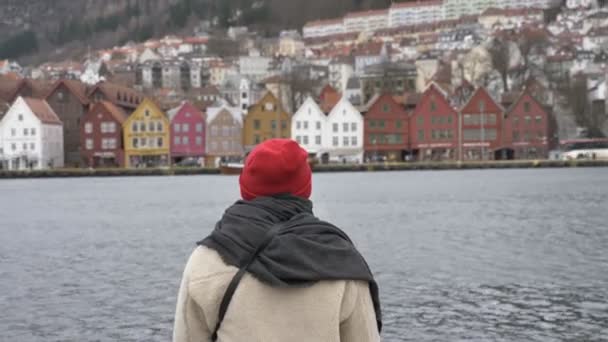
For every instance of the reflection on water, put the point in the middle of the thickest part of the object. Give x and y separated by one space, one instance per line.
470 255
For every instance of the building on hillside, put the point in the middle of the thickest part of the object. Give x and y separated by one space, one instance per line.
187 133
323 28
265 120
386 130
370 54
308 125
354 91
101 135
343 136
8 66
413 13
340 70
291 44
366 21
254 66
172 74
396 78
31 136
146 137
434 127
69 101
532 127
454 9
482 122
224 133
510 17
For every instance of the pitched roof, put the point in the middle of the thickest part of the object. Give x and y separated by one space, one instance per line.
42 110
77 88
117 113
118 94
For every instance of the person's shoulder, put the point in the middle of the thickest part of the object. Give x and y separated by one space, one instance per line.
205 263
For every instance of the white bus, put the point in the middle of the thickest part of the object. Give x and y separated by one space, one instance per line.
588 149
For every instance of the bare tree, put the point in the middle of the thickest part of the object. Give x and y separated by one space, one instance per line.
500 54
299 86
532 45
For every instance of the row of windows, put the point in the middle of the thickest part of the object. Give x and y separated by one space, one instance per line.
225 131
257 124
147 142
376 139
105 127
153 126
479 135
303 140
345 141
24 147
226 145
257 139
345 127
186 140
26 132
528 120
479 119
304 125
106 144
528 135
382 124
177 128
437 134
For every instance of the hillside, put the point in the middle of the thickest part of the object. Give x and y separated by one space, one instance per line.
38 30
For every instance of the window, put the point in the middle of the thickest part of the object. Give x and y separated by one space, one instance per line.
159 141
449 118
89 144
305 139
199 128
176 140
305 124
214 131
482 105
135 142
372 123
335 141
299 139
256 124
353 126
33 146
143 142
353 141
381 123
284 124
318 125
273 124
134 127
256 139
151 126
515 136
142 126
25 146
475 134
345 127
199 141
13 146
185 140
177 128
420 134
528 119
185 128
433 106
318 140
515 121
345 141
32 131
490 119
538 119
159 126
298 125
540 135
26 132
386 108
527 107
147 112
335 127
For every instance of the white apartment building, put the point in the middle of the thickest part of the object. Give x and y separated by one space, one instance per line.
413 13
322 28
366 21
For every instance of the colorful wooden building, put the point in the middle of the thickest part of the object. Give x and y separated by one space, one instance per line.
386 130
224 135
101 136
146 137
482 123
187 133
265 120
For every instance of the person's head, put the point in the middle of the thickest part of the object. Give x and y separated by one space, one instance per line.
274 167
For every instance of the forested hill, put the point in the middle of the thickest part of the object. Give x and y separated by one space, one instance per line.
32 29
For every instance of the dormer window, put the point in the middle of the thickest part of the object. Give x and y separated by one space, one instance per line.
147 112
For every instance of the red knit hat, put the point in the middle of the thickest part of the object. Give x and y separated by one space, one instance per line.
276 166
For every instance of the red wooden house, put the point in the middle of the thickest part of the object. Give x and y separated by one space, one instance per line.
187 133
386 130
101 136
434 126
530 128
482 125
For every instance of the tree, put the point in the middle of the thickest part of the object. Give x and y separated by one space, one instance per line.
299 86
223 47
532 46
23 43
500 55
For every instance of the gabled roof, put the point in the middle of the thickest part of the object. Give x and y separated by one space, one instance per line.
118 94
520 97
484 93
117 113
77 88
42 110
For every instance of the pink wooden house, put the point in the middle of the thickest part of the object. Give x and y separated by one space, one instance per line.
187 134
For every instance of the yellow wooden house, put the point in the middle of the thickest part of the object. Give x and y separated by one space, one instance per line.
265 120
146 137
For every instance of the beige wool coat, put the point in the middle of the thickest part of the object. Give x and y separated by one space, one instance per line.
328 311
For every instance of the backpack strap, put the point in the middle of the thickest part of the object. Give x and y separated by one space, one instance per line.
236 279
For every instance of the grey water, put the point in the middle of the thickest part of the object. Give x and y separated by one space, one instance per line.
497 255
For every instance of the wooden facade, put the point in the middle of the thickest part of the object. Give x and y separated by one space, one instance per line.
386 130
266 120
101 136
146 137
